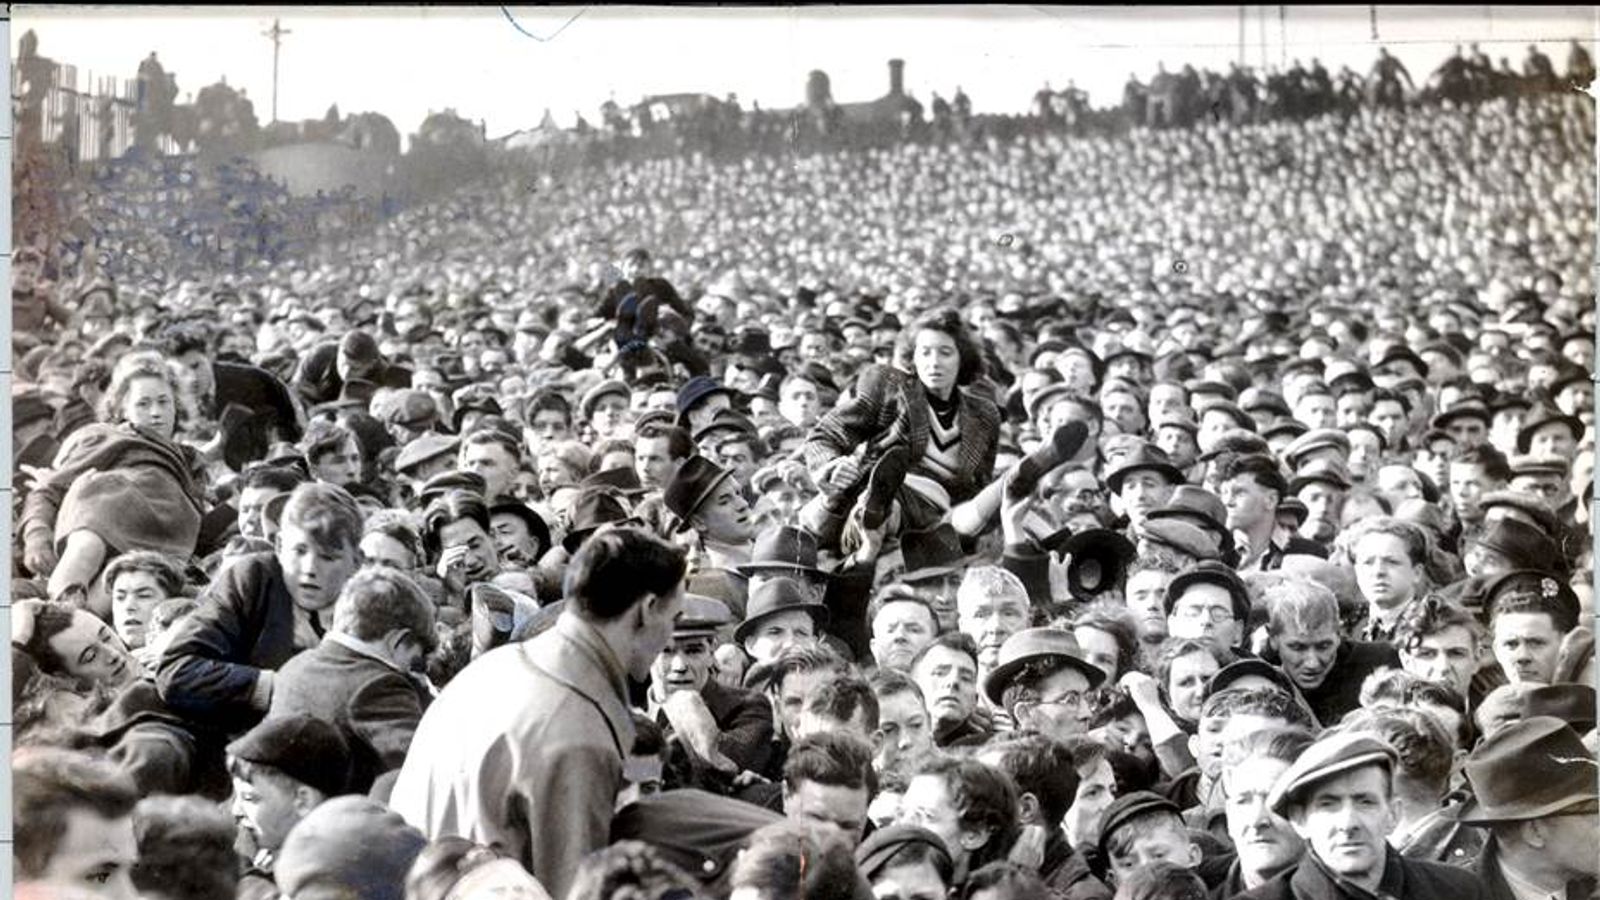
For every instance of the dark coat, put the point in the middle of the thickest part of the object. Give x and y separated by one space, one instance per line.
1066 873
745 720
243 626
272 414
374 704
1487 867
1403 879
1340 691
162 752
883 397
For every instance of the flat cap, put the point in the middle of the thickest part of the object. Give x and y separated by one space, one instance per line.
1333 755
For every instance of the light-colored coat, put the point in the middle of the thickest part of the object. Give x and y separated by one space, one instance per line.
523 751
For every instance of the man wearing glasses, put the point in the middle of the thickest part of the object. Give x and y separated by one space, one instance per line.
1043 680
1208 602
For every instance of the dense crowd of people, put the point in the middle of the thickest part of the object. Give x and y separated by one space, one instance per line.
1182 513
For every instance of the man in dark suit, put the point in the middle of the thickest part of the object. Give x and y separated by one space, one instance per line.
362 677
728 728
1339 798
1534 790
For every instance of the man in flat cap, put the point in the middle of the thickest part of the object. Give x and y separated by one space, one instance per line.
1534 791
1339 796
729 728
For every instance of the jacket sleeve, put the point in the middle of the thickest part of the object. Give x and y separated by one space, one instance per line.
203 670
570 799
385 713
1032 568
854 421
747 737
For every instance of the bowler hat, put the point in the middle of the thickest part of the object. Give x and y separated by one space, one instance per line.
777 596
1144 457
1209 572
782 548
1335 754
305 748
1542 415
1033 645
1129 807
1530 769
691 486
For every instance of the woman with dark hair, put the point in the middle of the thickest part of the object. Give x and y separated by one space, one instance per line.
910 447
121 484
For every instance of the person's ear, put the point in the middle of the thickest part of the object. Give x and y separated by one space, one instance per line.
1194 746
974 839
1534 833
306 798
1028 808
1195 856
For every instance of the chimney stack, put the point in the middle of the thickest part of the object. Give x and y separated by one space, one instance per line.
897 78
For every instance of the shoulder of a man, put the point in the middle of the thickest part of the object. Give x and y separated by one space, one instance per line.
1435 879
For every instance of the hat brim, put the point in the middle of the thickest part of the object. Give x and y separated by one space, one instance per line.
757 568
1115 479
818 611
1474 812
994 686
1279 802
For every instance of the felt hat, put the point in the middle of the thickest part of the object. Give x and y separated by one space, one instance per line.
695 391
780 549
1143 457
622 480
537 526
1523 503
778 596
1523 545
694 482
1541 415
592 508
1470 408
1400 353
1035 644
1530 769
1099 560
935 553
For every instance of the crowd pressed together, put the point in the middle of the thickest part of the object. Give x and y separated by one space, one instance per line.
1190 513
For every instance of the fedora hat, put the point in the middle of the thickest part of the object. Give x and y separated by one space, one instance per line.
782 548
777 596
1100 559
592 508
1542 415
1527 770
1523 545
1185 537
1032 644
935 553
1147 457
622 480
696 390
537 526
691 486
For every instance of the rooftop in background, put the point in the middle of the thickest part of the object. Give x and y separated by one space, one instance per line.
505 68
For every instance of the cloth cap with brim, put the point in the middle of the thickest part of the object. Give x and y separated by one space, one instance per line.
1210 572
1539 466
453 480
780 549
1182 536
424 448
1552 590
1143 457
1126 809
1540 416
1038 645
701 615
1402 353
352 848
412 409
1254 399
699 832
1045 396
28 407
1284 427
605 388
780 595
1527 770
1526 504
1471 409
1249 667
1321 471
1336 754
305 748
882 845
1213 388
1314 440
692 486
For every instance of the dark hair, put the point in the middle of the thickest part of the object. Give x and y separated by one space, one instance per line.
679 444
834 758
626 870
895 592
842 699
892 682
1009 880
452 506
323 437
399 526
1492 461
1429 616
1116 620
983 797
1393 396
1263 468
327 512
1161 880
185 848
948 322
167 572
1268 703
1397 687
50 618
548 400
616 567
958 641
277 478
49 783
800 658
1424 748
498 436
1042 767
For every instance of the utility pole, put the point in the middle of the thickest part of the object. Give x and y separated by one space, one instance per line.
276 34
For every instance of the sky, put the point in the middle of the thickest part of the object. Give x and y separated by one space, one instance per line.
504 66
